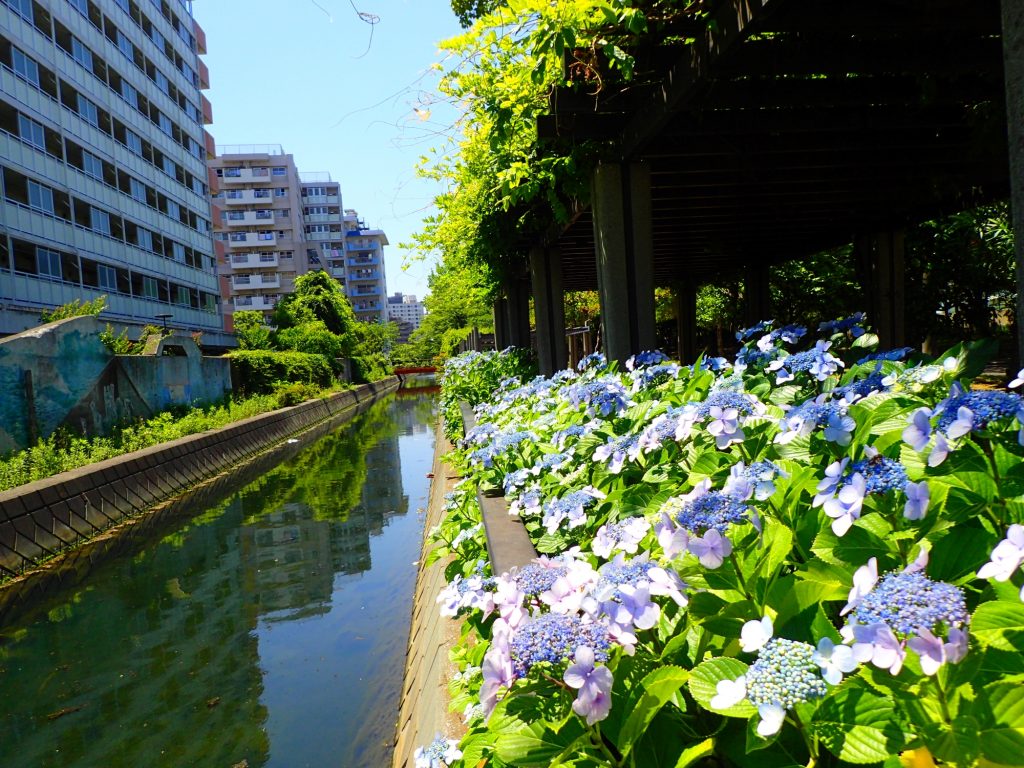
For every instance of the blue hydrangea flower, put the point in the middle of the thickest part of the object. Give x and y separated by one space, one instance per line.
570 434
440 753
818 362
594 360
615 452
604 397
724 399
755 330
715 510
982 408
891 355
653 374
646 359
910 602
851 324
534 579
784 675
571 508
858 390
881 474
811 414
553 638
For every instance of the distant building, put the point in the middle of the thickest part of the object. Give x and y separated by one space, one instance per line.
103 156
407 312
366 280
273 224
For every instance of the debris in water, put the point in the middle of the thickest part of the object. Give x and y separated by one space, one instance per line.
291 440
213 702
61 712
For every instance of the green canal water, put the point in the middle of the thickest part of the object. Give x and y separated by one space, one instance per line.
268 629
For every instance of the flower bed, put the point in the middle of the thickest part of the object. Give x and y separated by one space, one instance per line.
808 556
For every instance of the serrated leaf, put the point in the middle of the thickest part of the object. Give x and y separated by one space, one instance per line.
858 726
1002 732
705 678
537 744
958 743
658 687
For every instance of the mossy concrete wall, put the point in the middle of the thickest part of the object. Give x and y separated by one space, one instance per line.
61 374
44 519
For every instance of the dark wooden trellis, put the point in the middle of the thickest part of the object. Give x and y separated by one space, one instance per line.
791 127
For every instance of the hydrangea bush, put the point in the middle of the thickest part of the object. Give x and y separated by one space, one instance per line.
473 376
810 555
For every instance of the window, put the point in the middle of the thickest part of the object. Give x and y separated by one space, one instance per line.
144 238
32 132
48 263
81 54
181 295
232 172
265 236
25 66
125 45
23 7
99 221
40 197
133 141
280 171
162 82
129 93
107 277
280 192
173 210
178 251
164 122
236 216
82 6
137 189
92 165
149 288
123 4
169 166
156 37
89 111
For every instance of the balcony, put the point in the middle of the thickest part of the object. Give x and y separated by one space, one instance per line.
262 197
370 274
324 235
245 176
323 218
249 261
366 306
250 218
255 282
338 272
258 303
362 245
252 240
373 262
365 291
321 199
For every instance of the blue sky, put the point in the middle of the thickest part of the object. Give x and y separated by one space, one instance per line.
356 97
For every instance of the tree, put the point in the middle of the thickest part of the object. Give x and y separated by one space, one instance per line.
317 296
250 330
468 11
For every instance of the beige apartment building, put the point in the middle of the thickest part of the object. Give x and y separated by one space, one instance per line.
273 223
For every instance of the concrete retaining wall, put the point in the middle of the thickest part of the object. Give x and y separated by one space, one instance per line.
424 708
44 518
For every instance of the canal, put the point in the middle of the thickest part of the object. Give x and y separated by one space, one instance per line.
268 629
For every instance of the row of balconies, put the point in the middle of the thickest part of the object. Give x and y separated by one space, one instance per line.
249 196
265 239
268 260
249 218
362 245
261 303
255 282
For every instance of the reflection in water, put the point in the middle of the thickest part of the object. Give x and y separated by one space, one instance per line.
270 628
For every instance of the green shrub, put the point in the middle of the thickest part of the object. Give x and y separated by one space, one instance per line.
250 330
313 338
76 308
293 394
256 371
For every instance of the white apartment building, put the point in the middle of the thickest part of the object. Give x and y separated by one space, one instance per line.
273 223
103 181
258 227
405 308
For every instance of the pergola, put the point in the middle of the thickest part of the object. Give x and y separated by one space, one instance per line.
788 127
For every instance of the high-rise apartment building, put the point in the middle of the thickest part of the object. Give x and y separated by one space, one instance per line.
105 188
405 310
366 280
273 223
258 228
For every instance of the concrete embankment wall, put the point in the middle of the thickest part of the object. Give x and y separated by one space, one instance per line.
43 519
424 708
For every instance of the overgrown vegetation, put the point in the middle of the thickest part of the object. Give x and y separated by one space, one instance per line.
316 320
64 451
76 308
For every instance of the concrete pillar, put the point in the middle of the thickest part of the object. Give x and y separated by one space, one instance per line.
757 298
517 292
500 313
880 262
621 204
1013 75
548 309
685 299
